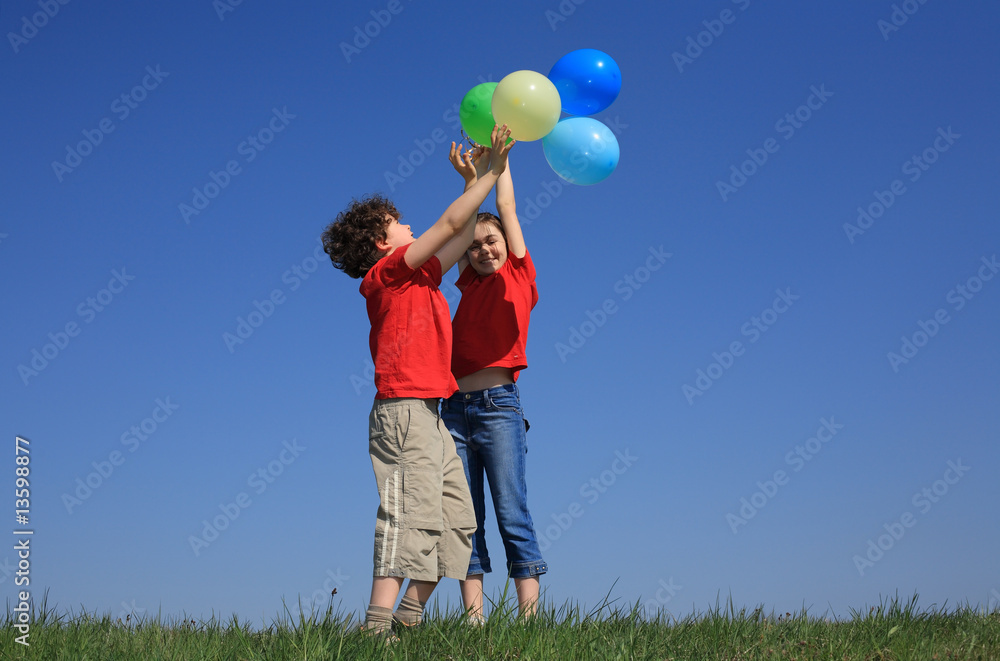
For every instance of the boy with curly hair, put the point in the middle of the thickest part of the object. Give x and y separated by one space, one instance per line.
425 518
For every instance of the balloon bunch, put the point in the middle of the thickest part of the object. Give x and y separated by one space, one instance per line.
580 149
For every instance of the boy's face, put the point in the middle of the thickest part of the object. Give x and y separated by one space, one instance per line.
396 235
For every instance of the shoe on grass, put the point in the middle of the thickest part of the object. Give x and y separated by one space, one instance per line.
387 633
475 621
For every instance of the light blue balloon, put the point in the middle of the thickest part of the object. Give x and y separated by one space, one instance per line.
581 150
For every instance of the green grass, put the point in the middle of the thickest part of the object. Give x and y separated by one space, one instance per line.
892 630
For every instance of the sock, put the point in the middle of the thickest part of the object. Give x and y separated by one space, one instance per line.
410 612
378 619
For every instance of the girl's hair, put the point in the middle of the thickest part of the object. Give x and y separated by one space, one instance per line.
490 219
350 239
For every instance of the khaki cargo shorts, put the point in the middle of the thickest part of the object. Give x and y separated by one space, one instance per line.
425 516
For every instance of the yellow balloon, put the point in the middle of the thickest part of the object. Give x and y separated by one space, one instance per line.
528 103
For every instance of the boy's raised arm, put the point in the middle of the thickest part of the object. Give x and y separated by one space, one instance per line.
507 210
457 214
455 250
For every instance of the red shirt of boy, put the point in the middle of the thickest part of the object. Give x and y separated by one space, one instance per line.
410 338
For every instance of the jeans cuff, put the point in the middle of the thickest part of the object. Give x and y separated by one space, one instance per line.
478 567
528 569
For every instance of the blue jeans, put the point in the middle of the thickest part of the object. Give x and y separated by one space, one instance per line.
488 427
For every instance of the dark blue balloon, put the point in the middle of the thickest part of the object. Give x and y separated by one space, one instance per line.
588 81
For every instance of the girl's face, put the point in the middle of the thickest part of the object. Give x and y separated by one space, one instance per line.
488 251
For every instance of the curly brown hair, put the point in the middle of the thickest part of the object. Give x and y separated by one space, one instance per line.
350 239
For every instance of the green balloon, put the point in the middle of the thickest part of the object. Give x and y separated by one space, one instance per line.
476 113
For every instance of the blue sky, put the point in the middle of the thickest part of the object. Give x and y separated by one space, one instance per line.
738 385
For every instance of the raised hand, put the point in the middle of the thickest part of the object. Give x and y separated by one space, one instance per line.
462 162
481 157
500 148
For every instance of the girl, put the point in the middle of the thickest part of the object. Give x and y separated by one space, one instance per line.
490 330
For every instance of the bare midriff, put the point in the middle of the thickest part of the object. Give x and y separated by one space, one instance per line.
486 378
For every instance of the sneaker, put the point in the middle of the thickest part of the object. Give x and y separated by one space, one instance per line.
390 637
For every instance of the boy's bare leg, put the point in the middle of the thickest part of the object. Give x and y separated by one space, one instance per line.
385 589
420 590
472 596
527 595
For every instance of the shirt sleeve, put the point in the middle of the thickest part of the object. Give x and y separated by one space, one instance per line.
524 265
395 271
392 269
432 269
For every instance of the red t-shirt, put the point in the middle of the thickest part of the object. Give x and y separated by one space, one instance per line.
491 323
411 328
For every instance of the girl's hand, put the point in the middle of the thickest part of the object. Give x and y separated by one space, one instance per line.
481 157
498 154
462 162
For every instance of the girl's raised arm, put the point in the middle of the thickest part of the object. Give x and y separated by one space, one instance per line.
459 212
507 210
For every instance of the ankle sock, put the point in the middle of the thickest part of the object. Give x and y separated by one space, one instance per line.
378 619
409 613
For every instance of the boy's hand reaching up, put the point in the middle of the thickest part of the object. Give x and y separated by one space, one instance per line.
471 164
462 162
461 214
